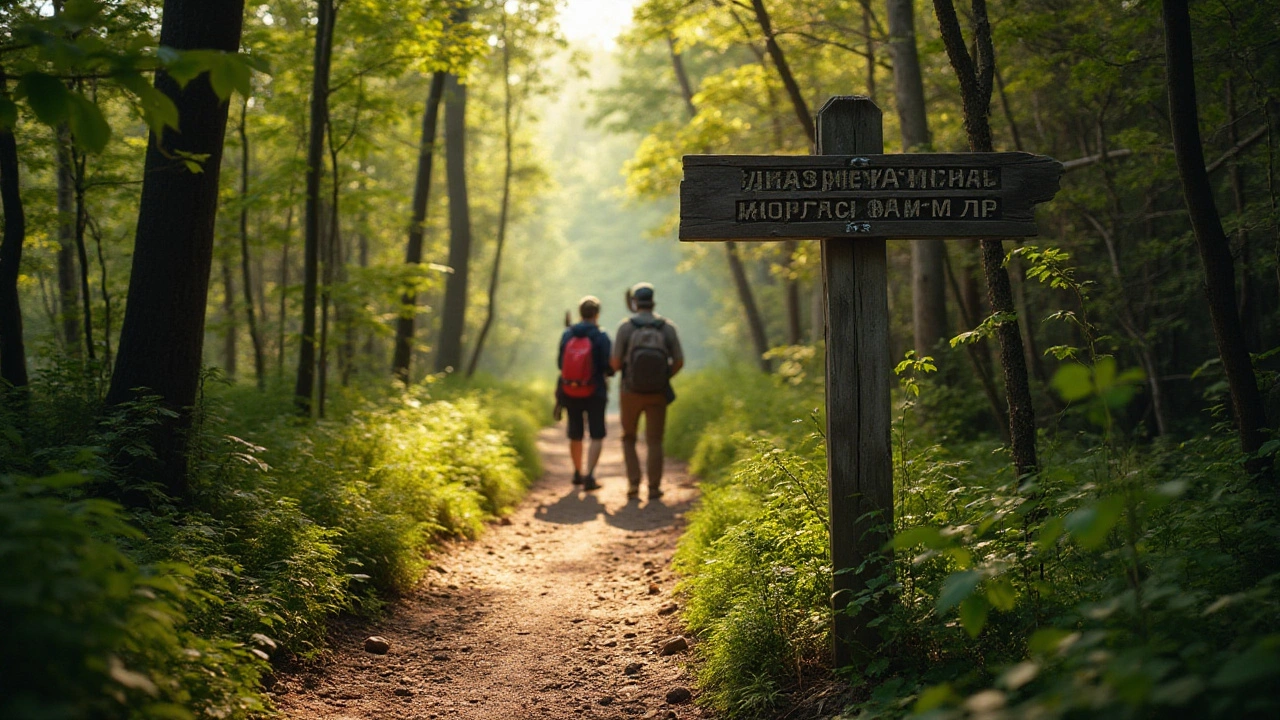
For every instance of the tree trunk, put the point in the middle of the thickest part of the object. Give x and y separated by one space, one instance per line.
68 295
928 284
13 354
1215 250
975 74
871 49
82 255
454 319
229 349
505 203
106 294
162 337
795 330
746 298
798 103
284 289
304 388
413 251
259 362
754 322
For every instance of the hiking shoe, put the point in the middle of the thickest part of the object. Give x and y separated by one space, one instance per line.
589 483
633 492
655 493
577 478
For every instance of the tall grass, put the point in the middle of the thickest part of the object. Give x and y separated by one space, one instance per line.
1127 580
175 611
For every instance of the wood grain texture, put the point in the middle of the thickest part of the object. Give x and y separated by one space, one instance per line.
859 453
713 187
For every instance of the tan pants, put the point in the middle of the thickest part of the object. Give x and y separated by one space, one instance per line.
654 408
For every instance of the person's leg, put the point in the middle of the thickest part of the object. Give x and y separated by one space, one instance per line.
596 426
655 422
630 405
575 433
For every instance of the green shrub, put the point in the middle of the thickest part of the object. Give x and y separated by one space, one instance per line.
172 611
91 633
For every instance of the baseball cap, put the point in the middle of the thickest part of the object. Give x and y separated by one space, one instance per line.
642 293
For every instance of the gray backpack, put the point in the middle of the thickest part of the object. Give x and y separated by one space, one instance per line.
648 366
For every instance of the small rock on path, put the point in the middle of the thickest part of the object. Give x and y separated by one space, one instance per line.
567 628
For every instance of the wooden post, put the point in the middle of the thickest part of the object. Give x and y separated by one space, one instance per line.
859 451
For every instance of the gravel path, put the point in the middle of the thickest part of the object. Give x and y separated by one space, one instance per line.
561 611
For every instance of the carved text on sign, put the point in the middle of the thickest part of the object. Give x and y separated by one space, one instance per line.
745 197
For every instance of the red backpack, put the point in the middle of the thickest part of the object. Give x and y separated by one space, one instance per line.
577 368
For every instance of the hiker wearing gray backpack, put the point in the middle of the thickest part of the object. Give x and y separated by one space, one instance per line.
647 351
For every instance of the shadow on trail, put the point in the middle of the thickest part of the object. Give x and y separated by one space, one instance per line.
647 514
573 508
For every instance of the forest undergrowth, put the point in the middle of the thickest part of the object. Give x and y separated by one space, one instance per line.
151 609
1130 578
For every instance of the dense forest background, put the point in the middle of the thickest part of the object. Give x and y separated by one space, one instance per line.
254 253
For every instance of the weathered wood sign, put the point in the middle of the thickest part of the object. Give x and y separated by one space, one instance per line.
851 191
762 197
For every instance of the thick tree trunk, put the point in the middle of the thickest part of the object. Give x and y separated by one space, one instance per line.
413 251
504 206
13 354
975 74
746 298
259 362
304 388
1215 250
454 321
928 284
162 337
68 294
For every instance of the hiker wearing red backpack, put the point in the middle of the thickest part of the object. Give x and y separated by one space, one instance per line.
582 389
648 354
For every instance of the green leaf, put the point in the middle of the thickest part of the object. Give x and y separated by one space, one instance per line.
8 113
88 126
1050 640
1072 382
46 95
1001 595
158 109
973 614
1104 373
956 588
1090 525
1260 662
1049 533
230 73
930 537
936 697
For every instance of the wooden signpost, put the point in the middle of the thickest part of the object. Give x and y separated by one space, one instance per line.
853 198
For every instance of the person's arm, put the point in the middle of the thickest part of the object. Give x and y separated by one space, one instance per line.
603 355
677 353
615 354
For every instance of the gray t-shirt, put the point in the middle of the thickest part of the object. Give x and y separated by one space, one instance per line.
622 341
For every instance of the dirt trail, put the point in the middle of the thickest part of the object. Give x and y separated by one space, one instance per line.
554 615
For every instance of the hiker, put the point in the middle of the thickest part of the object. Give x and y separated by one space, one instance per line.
648 353
583 389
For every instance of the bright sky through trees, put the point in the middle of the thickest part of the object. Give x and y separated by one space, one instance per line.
596 22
